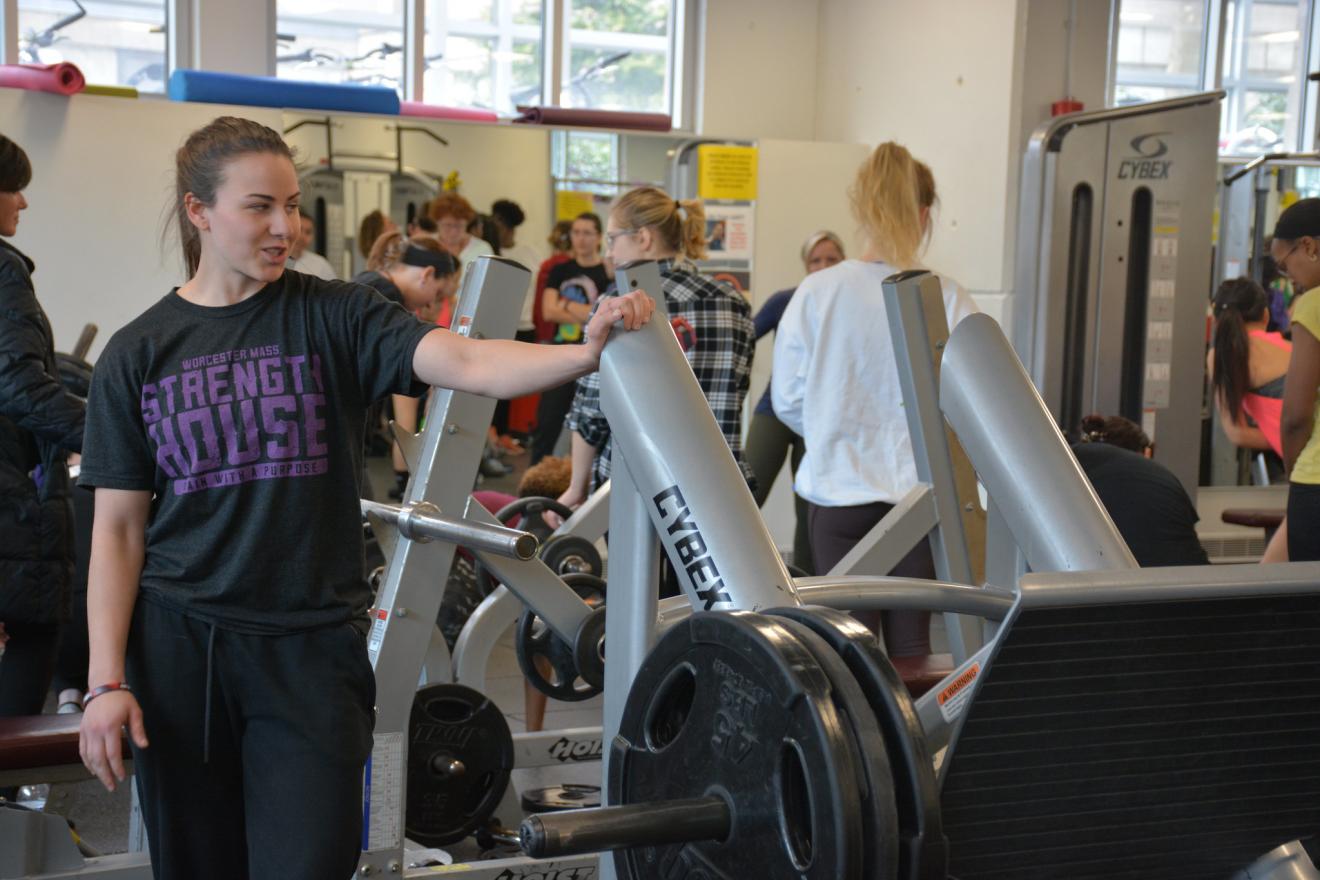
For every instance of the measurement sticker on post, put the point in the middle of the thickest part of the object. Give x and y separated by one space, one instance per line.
385 792
954 696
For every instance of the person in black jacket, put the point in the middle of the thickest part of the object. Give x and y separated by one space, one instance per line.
40 424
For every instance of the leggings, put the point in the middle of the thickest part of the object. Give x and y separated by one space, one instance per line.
835 530
769 441
1303 522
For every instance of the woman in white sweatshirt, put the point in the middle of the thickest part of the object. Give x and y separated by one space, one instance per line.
835 380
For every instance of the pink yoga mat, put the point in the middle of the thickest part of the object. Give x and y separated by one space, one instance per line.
60 79
595 118
435 111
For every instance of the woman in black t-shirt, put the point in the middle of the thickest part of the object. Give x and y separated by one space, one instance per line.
224 441
570 294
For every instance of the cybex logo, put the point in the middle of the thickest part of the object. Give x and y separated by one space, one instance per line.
1147 164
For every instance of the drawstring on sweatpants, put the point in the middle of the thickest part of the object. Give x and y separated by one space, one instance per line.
210 674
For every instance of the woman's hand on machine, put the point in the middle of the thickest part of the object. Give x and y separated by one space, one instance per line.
99 737
633 309
572 499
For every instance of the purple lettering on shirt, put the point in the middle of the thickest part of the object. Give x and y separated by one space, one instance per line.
295 363
272 423
244 377
314 424
250 449
193 394
169 455
272 376
204 457
217 383
167 391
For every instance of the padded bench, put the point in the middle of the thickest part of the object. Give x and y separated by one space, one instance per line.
920 674
1253 517
43 748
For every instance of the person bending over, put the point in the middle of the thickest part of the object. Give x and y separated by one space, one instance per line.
1145 500
226 593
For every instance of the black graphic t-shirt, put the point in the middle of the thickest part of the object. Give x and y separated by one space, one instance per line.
246 421
576 283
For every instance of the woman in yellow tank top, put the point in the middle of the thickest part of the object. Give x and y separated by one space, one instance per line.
1296 251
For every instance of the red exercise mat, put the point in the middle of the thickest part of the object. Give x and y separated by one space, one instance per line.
435 111
595 118
60 79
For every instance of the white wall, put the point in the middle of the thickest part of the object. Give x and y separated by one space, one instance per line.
101 184
939 78
758 60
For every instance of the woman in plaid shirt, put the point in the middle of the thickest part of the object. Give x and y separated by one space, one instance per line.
714 323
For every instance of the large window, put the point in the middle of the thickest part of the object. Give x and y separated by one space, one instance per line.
618 55
1255 50
1264 75
484 53
113 42
494 54
359 41
1161 50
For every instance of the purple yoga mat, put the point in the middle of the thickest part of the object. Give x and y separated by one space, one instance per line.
595 118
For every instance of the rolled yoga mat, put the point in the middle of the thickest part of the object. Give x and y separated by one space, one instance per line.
435 111
59 79
595 118
111 91
267 91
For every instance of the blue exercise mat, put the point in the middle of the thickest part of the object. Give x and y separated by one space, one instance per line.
267 91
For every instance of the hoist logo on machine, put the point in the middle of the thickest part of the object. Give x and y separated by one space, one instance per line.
566 749
1147 164
693 554
581 872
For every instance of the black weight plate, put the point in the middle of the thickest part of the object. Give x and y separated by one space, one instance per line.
460 755
879 812
549 662
731 704
561 797
527 512
923 851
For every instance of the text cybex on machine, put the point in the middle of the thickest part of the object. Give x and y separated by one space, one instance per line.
1147 164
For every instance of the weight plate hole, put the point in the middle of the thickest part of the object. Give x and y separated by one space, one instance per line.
795 815
449 711
670 707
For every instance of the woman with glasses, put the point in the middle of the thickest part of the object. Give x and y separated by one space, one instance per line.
452 215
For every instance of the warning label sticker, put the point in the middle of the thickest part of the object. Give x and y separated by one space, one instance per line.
376 637
953 697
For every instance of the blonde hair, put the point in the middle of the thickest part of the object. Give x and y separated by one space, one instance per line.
886 200
816 238
681 225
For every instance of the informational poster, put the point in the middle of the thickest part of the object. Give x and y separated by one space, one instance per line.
729 231
570 203
726 173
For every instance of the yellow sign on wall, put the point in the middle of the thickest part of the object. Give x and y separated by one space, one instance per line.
725 172
570 203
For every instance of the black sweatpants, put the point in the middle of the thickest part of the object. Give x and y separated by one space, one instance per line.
550 414
1303 522
257 745
834 531
26 667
